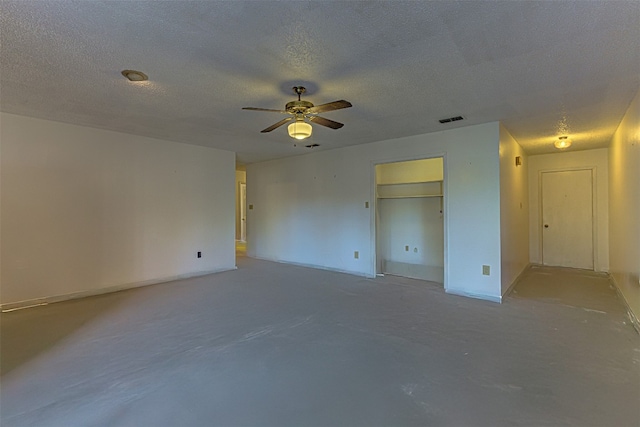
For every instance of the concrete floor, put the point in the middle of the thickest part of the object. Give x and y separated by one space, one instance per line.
280 345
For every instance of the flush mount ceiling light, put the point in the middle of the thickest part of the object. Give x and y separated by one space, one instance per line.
135 76
299 129
562 143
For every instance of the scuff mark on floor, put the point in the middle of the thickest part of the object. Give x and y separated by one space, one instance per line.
594 311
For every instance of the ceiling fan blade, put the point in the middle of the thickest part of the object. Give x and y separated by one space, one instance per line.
265 109
335 105
276 125
325 122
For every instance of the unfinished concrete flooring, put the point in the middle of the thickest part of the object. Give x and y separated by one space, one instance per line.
280 345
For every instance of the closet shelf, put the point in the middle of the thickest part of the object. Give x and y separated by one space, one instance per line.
413 196
409 190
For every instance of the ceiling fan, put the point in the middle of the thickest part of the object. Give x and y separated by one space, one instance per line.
299 111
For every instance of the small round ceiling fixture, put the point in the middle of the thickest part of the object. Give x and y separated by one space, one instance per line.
135 76
562 143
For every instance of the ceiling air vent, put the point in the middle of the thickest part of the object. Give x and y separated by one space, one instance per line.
451 119
312 145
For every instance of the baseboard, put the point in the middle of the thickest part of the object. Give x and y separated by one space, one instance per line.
318 267
517 279
35 302
570 269
632 317
431 273
492 298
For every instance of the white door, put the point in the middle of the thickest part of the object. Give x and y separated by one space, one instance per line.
567 218
243 211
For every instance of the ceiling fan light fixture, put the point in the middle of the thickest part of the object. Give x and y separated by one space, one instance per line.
299 129
300 110
562 143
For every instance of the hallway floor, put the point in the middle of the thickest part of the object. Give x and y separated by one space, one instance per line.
280 345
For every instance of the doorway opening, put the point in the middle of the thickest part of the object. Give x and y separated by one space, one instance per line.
410 219
241 212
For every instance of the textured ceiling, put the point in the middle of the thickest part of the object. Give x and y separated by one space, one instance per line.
541 68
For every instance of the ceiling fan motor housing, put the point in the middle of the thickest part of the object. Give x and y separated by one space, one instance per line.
298 106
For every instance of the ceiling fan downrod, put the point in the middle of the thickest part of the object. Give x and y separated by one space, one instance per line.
299 90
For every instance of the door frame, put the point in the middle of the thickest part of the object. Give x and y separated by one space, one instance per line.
594 212
243 211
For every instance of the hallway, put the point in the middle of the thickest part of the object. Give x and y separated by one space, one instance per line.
274 345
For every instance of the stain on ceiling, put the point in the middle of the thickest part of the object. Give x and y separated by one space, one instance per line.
543 69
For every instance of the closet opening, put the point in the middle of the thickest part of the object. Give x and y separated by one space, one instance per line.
410 219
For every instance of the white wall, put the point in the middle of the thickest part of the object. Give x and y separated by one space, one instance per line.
514 210
85 210
596 159
624 207
311 210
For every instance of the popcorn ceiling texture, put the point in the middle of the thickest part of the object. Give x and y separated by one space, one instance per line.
404 65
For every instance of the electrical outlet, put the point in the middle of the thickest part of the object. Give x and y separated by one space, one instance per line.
199 254
250 207
366 205
406 248
356 254
415 250
486 270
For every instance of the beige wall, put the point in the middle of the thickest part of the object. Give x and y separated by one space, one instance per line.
596 159
624 207
423 170
87 210
514 210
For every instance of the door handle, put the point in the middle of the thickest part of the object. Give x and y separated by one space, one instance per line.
546 226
